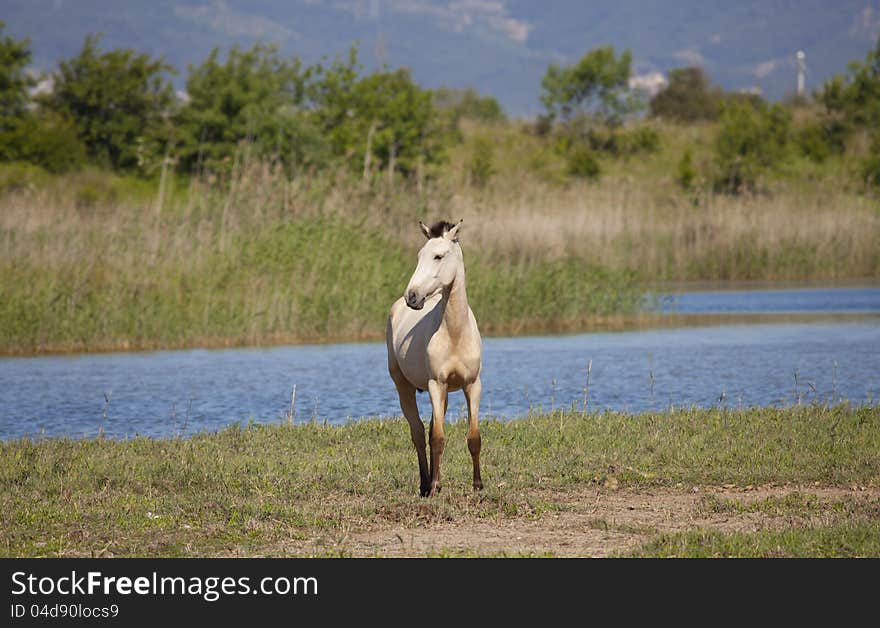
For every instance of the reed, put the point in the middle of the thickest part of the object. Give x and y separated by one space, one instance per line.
98 261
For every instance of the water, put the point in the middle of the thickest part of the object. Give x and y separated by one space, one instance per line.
837 300
181 392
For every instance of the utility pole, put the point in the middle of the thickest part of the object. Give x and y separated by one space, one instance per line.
801 70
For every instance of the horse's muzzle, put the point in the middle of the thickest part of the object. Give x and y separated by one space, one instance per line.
413 301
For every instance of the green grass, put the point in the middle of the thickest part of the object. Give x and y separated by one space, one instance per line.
838 541
264 488
794 506
309 279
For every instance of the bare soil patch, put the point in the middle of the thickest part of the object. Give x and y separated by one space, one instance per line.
590 523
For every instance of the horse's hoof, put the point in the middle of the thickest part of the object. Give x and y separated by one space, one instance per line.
435 490
478 485
424 491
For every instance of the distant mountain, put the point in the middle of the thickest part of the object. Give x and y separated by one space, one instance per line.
501 47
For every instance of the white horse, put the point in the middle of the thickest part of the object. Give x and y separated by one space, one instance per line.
434 345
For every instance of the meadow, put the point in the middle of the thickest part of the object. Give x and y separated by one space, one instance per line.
799 481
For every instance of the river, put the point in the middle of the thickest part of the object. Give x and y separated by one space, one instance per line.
829 358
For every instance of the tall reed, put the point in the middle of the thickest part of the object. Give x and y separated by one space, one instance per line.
257 256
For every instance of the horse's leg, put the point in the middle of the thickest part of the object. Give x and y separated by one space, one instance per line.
407 394
417 432
472 395
439 395
442 412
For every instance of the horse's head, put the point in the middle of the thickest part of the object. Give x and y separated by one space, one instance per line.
439 263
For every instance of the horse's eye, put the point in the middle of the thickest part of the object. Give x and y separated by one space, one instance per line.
438 257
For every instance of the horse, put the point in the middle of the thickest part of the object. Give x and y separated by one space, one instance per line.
434 344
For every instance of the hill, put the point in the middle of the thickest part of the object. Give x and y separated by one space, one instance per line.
501 47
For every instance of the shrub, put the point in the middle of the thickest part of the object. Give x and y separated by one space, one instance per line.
16 176
46 140
812 143
751 139
614 141
480 164
641 139
870 167
819 139
582 162
686 173
468 103
687 98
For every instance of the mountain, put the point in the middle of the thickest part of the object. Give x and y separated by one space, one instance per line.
501 47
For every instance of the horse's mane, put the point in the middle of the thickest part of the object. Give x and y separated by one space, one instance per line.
439 228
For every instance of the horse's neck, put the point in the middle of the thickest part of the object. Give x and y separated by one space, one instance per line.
455 314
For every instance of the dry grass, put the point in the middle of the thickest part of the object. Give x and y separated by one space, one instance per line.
624 224
801 231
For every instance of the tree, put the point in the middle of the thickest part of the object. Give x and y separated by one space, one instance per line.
687 98
26 132
468 103
596 85
856 96
304 115
120 102
750 140
46 139
383 120
14 80
254 96
853 102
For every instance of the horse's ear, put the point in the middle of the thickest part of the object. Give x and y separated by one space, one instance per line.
452 234
425 229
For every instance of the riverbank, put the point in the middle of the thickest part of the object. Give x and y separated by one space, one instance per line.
756 482
618 323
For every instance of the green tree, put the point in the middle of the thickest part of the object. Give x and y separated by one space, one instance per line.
120 102
14 80
856 96
46 139
383 120
688 97
598 85
254 96
853 102
582 163
751 139
468 103
26 132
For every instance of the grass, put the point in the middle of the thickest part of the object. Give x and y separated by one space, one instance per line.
315 278
282 490
838 541
794 506
264 261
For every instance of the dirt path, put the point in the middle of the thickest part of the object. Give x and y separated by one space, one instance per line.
598 523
